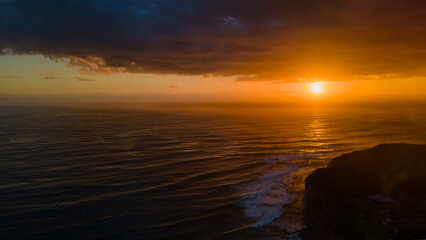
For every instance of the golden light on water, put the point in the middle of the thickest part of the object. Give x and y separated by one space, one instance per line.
317 87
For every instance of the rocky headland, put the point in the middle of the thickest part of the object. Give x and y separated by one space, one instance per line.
378 193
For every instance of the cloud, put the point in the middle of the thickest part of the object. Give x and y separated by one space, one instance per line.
246 78
51 76
173 86
84 79
10 77
272 39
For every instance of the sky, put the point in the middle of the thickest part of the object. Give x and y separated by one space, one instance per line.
213 49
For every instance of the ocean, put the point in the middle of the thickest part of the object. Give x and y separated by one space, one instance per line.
177 172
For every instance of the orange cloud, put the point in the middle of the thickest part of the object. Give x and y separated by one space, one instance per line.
256 40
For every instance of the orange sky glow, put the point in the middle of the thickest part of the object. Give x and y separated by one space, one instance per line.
283 50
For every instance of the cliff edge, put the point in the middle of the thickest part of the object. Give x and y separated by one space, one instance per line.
377 193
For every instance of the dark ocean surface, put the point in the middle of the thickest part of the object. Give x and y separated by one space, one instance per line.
204 172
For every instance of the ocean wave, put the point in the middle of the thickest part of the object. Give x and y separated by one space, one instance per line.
296 157
263 198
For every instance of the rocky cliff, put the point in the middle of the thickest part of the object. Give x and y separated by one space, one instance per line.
378 193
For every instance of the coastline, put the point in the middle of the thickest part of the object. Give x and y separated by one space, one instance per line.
377 193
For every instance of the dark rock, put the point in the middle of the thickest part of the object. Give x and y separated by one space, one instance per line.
378 193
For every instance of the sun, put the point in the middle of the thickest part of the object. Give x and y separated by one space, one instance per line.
317 87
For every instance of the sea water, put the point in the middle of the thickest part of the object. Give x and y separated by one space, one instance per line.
205 172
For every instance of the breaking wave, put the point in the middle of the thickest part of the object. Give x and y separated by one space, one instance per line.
263 198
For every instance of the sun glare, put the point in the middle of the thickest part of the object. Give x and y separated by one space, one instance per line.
317 87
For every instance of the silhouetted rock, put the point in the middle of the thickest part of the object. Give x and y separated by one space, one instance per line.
378 193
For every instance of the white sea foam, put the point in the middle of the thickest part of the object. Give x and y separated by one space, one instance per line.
264 198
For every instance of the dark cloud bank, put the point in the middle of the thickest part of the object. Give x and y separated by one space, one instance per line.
254 40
